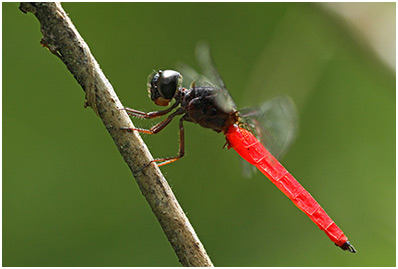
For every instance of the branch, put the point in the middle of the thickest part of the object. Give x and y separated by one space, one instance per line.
62 39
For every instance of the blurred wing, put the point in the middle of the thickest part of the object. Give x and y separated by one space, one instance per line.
209 77
275 124
206 63
190 76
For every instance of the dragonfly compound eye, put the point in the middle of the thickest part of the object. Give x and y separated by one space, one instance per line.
168 83
153 86
162 86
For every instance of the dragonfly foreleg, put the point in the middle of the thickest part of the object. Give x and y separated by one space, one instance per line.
158 127
149 115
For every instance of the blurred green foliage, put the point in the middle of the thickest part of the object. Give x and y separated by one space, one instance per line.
70 200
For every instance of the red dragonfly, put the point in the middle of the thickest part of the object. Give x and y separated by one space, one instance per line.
208 103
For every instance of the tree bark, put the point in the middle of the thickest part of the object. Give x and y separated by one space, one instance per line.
63 40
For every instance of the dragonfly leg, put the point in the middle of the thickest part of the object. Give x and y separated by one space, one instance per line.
181 150
158 127
164 161
149 115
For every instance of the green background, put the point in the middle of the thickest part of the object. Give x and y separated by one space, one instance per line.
70 200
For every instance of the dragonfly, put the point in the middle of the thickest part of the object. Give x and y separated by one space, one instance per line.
208 103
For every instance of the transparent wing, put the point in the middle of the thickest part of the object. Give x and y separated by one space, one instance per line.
206 63
190 76
209 76
275 124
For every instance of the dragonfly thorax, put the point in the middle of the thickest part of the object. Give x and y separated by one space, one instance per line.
202 105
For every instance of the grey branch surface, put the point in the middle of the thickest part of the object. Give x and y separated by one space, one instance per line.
63 40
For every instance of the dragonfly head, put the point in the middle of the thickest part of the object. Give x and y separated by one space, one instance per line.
163 85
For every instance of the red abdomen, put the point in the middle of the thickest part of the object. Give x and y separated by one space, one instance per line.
249 148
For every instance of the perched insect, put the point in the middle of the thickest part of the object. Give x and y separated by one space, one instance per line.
208 103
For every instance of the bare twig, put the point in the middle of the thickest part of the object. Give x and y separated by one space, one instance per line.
62 39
